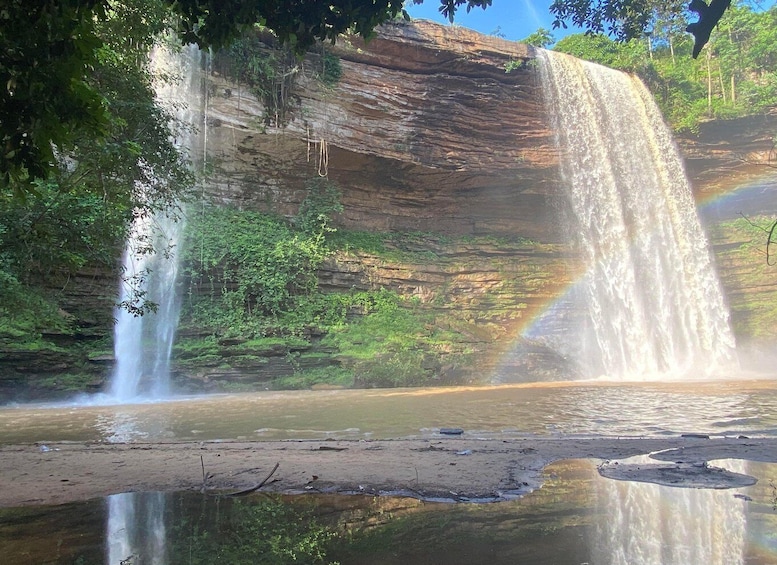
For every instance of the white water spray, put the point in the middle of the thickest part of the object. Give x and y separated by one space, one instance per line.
143 344
652 303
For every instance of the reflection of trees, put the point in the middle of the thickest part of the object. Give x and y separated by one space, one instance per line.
254 530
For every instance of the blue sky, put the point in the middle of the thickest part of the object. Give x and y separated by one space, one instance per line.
515 19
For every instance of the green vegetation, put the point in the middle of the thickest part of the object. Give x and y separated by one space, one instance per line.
253 302
250 272
735 76
540 38
270 73
256 530
331 70
70 214
742 257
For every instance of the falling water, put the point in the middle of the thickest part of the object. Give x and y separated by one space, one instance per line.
652 303
143 344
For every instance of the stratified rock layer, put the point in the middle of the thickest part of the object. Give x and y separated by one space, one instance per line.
424 131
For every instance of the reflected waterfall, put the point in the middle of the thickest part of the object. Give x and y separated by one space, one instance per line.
650 304
136 529
648 524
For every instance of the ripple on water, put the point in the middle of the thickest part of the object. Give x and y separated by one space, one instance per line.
578 409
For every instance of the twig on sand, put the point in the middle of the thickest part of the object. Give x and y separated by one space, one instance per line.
205 476
257 486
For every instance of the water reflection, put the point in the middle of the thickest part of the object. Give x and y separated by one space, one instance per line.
576 517
136 531
649 524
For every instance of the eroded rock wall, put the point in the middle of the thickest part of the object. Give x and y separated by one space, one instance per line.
424 131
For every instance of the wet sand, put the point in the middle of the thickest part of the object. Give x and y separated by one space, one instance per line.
456 468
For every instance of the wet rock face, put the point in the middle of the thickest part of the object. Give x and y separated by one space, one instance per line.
726 151
423 131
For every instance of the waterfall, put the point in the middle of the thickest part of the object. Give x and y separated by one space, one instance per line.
143 344
650 304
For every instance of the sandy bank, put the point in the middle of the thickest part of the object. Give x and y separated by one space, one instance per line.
455 468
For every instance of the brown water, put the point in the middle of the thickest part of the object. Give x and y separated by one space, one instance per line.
583 409
576 517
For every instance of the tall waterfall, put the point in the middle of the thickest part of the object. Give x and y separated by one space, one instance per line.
651 301
143 344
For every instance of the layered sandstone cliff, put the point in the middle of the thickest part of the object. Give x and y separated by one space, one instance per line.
424 131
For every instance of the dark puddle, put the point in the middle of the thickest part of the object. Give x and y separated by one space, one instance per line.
577 517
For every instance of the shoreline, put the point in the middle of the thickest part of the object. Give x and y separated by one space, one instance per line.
455 469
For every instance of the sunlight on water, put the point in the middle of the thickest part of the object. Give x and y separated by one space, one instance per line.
581 409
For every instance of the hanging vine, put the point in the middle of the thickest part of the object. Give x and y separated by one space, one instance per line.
269 72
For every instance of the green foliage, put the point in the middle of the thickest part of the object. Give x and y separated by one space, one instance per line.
252 531
331 376
76 214
26 312
367 338
621 19
518 64
47 49
369 242
58 229
320 206
270 73
736 77
394 342
540 38
247 265
331 70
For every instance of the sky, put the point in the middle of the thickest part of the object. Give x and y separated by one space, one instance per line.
514 19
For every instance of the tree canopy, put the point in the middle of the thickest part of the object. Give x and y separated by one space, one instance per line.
50 48
737 76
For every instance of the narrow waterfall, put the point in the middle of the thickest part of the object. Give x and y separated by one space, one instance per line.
651 303
143 344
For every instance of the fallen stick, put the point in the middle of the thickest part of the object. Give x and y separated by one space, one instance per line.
258 486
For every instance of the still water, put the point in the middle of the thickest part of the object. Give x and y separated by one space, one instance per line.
576 517
587 409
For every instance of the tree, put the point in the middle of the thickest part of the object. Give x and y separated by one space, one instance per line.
540 38
736 77
49 48
622 19
79 212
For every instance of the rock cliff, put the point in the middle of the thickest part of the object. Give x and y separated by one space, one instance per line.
424 131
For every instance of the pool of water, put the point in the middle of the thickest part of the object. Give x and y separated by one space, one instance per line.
576 517
584 409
